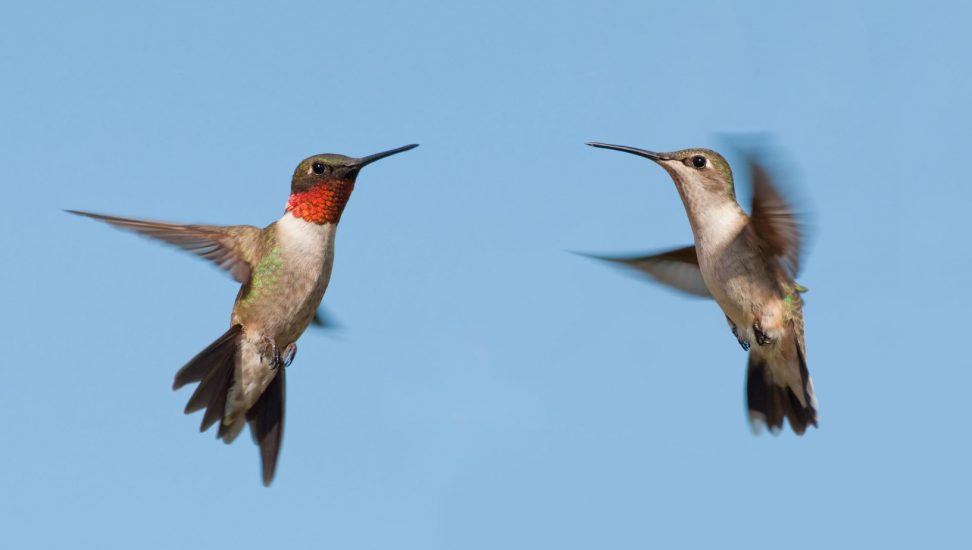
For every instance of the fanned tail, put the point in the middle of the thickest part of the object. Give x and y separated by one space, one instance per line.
779 387
213 368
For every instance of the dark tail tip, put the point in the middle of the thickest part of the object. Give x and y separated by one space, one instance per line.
266 420
771 400
213 369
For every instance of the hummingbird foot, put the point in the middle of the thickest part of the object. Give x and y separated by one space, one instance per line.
761 337
289 353
735 332
272 351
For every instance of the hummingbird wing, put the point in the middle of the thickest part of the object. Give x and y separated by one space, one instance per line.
774 221
324 320
230 247
678 268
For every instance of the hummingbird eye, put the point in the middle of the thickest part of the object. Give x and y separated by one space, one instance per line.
318 167
698 161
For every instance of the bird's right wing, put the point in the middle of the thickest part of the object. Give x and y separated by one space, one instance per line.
677 268
230 247
322 319
775 220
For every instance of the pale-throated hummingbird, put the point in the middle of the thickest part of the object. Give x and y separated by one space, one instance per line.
748 265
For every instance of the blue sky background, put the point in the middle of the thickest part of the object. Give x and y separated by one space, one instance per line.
489 389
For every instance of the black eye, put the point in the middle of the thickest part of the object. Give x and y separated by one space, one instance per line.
318 167
698 161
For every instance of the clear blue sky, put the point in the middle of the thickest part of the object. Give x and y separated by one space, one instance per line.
490 389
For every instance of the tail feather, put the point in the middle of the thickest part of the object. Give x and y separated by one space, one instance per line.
228 432
266 420
213 390
780 390
213 368
199 366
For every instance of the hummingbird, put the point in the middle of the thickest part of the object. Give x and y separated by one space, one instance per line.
283 270
748 264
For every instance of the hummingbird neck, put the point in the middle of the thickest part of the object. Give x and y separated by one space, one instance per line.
322 203
714 218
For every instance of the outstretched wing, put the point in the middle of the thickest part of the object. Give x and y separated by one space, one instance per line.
774 220
677 268
230 247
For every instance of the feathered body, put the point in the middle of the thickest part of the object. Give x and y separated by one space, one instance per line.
293 268
284 270
746 263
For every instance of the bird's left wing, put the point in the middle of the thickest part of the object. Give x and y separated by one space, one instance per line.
677 268
230 247
775 222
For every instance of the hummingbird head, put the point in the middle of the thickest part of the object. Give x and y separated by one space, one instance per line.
322 184
695 171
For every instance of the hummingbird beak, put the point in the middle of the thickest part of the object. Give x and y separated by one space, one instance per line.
633 150
365 161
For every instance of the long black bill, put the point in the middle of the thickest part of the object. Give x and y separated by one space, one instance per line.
633 150
365 161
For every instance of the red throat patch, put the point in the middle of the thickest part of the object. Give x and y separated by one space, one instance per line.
323 203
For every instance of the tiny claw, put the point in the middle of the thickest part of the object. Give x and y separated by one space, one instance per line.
288 355
761 337
274 352
742 342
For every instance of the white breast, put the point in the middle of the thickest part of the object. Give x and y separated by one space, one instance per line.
308 252
716 230
717 226
306 244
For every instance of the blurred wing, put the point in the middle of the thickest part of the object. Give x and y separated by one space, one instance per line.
230 247
774 220
322 319
677 268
